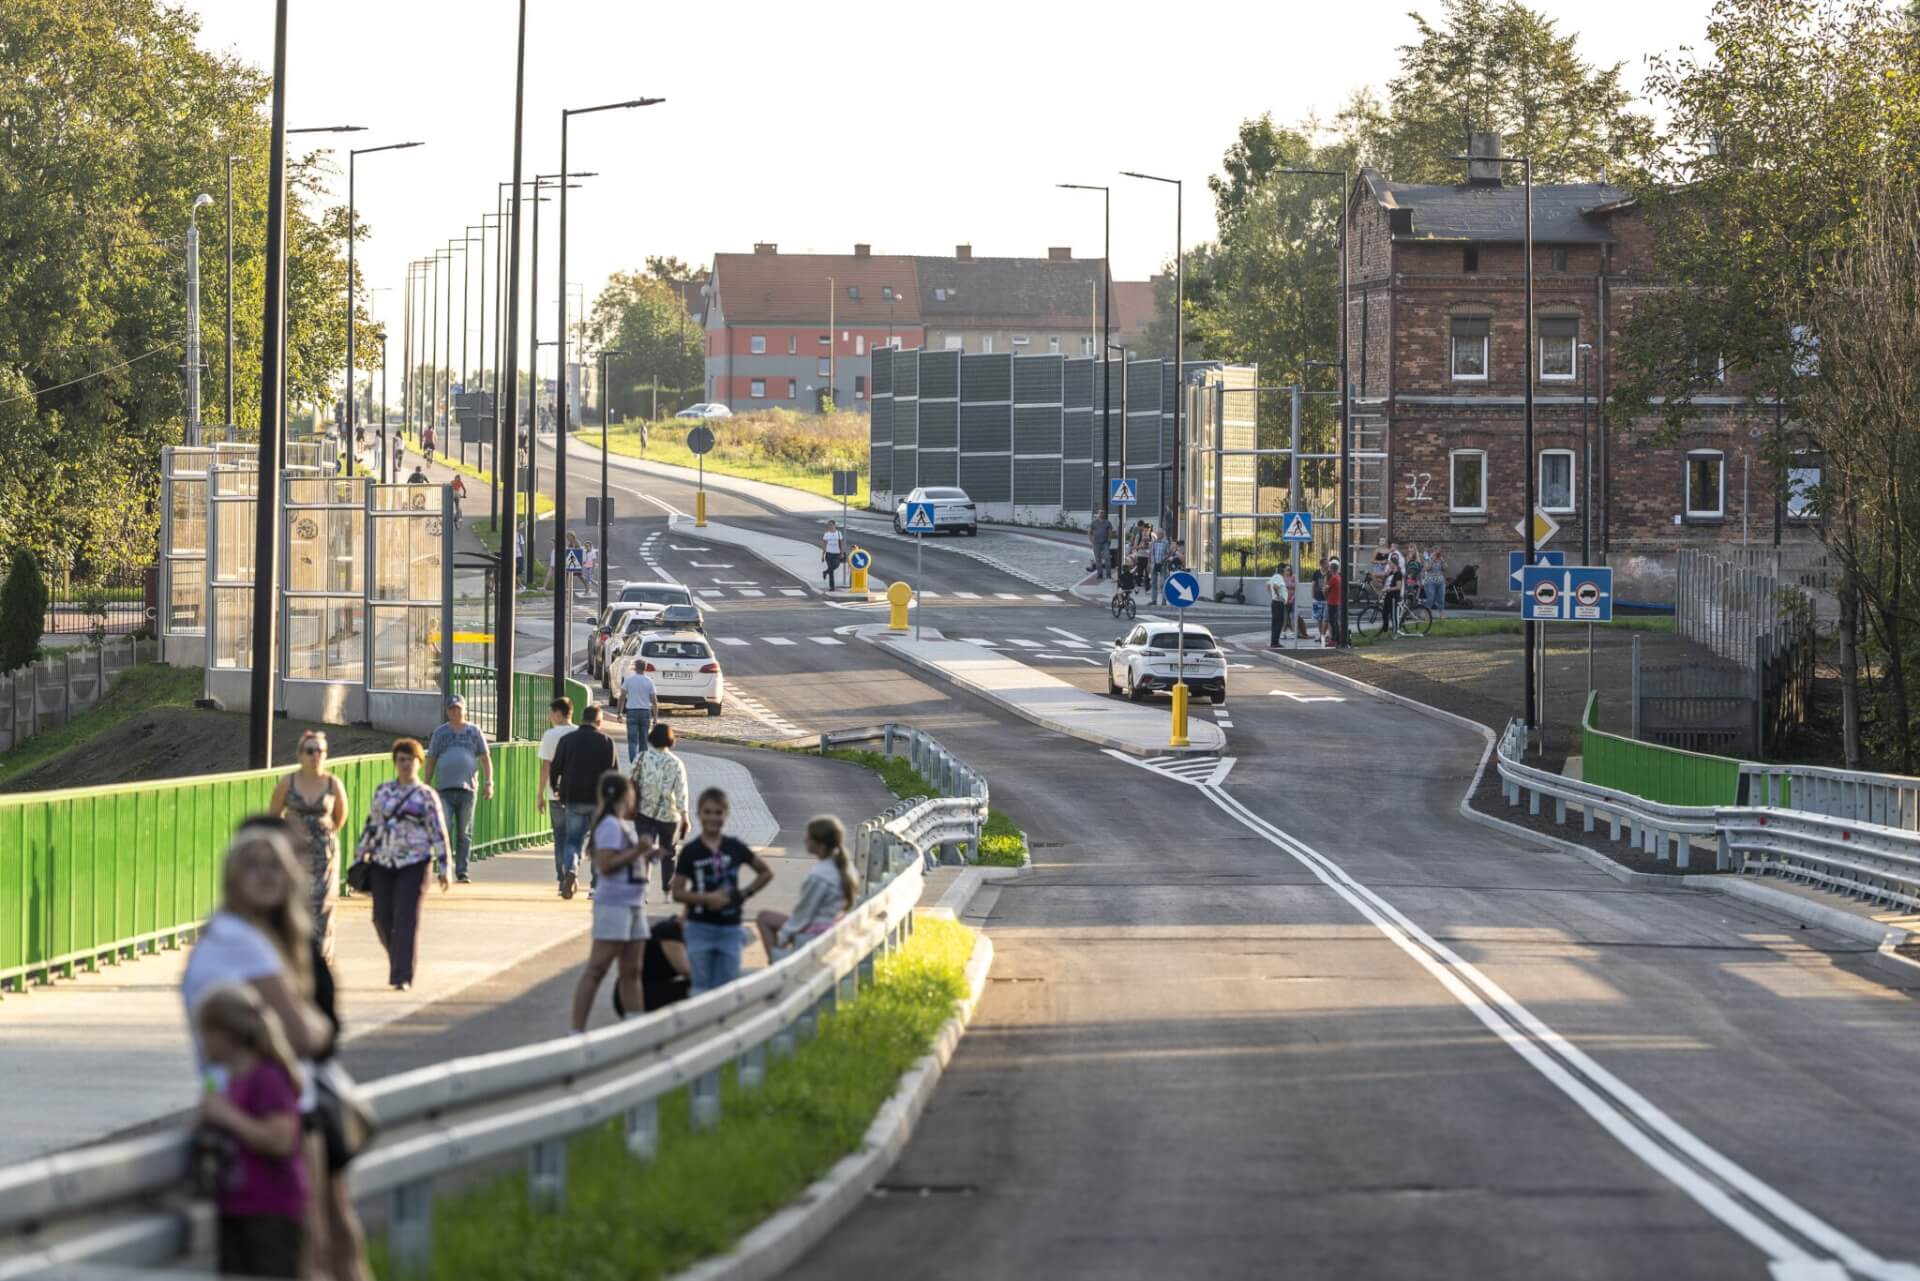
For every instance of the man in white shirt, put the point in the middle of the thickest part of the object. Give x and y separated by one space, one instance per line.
1279 597
830 547
560 724
641 702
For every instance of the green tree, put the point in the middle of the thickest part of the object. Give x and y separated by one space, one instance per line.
23 611
643 317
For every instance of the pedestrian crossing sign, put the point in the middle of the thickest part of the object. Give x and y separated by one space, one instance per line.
576 560
1123 492
919 518
1296 527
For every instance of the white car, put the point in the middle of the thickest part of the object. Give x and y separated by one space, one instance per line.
1149 658
683 666
638 606
953 511
705 409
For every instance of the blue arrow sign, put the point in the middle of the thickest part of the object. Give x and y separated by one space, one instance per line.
1296 527
1566 594
860 558
1123 492
1516 562
1182 590
919 518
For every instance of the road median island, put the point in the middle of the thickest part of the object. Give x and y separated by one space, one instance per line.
780 1167
1002 844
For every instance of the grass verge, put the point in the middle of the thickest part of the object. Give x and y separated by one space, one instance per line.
542 503
777 446
1445 627
1002 843
138 689
703 1191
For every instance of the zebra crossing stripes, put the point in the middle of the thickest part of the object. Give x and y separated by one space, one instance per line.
762 713
776 640
1199 771
733 640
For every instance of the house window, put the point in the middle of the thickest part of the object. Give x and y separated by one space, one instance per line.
939 295
1470 348
986 344
1467 488
955 342
1557 338
758 344
1053 345
826 339
757 389
859 344
1560 260
793 344
886 293
1019 340
853 292
1710 367
1706 484
1086 346
1803 487
1806 352
793 389
1556 480
1470 258
826 366
859 386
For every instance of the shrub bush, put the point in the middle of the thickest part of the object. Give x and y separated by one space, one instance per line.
23 611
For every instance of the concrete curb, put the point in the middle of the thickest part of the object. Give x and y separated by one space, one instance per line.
779 1243
873 635
953 904
1883 938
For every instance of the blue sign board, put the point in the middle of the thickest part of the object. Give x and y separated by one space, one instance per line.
1182 590
919 518
1296 527
860 559
576 560
1516 561
1566 594
1122 492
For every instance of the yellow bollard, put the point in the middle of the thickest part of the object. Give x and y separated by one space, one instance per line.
1178 737
859 559
898 596
700 508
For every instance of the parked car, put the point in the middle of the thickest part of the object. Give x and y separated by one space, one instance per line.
684 669
612 626
705 409
1150 658
953 511
638 605
680 618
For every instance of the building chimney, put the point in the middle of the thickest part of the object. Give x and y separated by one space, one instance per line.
1484 173
963 252
765 247
1060 253
863 251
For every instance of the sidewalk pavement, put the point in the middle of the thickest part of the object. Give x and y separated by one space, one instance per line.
106 1052
1044 699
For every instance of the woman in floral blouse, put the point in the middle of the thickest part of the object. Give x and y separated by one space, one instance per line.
405 831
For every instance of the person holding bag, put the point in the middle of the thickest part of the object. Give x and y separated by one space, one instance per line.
619 851
405 831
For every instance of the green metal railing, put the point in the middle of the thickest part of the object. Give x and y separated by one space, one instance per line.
92 874
1664 774
531 694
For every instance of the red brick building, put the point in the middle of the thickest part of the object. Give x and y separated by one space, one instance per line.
1438 351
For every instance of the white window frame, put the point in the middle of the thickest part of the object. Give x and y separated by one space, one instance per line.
1053 345
1086 347
1719 511
1573 479
1019 340
825 368
1803 471
859 344
955 342
1453 356
1573 357
859 386
757 344
986 344
1454 507
757 388
793 344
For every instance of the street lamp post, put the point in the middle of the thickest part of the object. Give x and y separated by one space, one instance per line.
503 623
229 364
353 157
1106 328
193 357
562 600
285 347
1179 334
266 543
604 400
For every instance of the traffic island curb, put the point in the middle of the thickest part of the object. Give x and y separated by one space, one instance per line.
780 1242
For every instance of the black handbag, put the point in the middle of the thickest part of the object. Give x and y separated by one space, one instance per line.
360 876
346 1122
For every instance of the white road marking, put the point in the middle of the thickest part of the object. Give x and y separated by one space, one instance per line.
1726 1190
1073 658
981 641
715 591
968 595
735 582
1006 596
750 591
1073 636
1307 698
1075 645
826 640
701 564
1048 596
792 591
928 595
1024 644
776 640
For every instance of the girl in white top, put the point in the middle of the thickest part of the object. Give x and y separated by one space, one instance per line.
828 889
619 853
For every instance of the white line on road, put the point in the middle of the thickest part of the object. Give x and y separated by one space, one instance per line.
732 640
1024 644
776 640
1072 636
751 591
968 595
981 641
826 640
792 591
1307 698
715 591
701 564
1006 596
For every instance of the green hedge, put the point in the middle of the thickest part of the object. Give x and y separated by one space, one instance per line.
1664 774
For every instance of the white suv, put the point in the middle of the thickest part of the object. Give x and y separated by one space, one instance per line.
684 669
1149 658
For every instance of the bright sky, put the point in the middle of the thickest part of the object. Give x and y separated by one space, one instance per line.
819 125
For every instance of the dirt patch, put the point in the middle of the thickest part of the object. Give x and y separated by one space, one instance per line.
174 742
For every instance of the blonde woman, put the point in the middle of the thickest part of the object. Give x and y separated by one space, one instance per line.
317 801
828 890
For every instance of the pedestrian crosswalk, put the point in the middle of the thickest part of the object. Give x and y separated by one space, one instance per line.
753 591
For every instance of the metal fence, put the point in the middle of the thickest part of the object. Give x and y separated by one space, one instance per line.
1668 775
46 694
1762 626
531 694
112 603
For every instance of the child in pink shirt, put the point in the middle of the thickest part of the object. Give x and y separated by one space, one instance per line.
263 1191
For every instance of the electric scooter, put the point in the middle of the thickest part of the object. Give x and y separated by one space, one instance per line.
1239 593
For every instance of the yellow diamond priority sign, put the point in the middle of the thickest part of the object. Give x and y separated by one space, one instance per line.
1544 528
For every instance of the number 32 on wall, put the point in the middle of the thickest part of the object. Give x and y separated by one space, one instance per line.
1417 485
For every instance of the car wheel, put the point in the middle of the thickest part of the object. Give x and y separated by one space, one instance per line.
713 709
896 525
1136 691
1113 690
973 531
1218 697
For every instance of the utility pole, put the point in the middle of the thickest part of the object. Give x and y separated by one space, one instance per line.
266 547
193 427
503 623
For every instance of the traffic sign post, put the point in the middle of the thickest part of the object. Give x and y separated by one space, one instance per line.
700 444
1182 592
857 562
919 523
1296 527
1123 491
1566 594
1516 561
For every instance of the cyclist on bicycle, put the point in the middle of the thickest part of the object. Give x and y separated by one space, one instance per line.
459 497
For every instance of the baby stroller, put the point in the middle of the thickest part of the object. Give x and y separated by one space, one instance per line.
1464 586
1128 582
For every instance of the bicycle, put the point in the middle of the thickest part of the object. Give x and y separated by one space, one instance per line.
1414 619
1122 602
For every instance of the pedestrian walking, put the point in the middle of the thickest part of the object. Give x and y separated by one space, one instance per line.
317 801
620 852
1279 601
545 799
828 889
579 759
831 546
264 1188
660 784
706 878
1319 602
456 754
1099 534
404 832
1336 589
1160 549
1143 554
592 566
459 497
640 702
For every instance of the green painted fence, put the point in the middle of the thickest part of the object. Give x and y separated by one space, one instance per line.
93 874
1664 774
531 694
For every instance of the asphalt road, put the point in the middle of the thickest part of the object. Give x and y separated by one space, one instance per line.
1309 1020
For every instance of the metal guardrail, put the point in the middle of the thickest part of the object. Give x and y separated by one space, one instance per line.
1889 800
1866 860
118 1204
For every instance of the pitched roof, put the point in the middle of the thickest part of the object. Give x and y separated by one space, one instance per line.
988 292
1563 212
792 288
1133 307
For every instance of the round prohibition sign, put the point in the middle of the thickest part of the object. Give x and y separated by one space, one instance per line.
1587 594
1545 594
